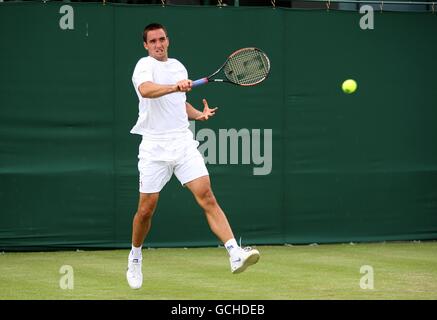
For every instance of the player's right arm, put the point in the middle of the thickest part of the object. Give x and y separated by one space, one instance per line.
152 90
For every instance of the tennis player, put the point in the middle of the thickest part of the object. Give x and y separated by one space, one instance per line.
168 147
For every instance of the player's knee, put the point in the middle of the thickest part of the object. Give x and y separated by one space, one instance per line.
145 212
207 199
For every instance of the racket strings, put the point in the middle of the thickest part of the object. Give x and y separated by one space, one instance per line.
247 67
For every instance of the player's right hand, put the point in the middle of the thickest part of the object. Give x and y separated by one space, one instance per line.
184 85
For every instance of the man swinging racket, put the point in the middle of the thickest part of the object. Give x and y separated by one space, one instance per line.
168 147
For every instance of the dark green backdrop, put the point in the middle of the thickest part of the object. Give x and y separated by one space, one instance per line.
359 167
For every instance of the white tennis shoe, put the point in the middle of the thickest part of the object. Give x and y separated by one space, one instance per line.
134 275
245 258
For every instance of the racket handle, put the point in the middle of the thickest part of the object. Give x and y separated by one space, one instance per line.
199 82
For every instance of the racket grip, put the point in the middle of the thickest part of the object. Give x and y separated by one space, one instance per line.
199 82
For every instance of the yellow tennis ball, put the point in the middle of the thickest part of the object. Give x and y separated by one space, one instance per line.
349 86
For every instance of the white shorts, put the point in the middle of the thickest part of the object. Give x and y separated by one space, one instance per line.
159 159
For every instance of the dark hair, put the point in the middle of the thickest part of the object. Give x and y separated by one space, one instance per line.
152 26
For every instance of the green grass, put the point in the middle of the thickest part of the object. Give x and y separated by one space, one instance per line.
401 271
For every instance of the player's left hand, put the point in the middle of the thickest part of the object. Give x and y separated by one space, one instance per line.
207 112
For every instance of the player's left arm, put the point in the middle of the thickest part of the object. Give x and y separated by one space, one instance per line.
194 114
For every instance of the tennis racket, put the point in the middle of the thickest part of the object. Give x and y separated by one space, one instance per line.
244 67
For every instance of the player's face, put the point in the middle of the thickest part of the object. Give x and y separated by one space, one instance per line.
157 44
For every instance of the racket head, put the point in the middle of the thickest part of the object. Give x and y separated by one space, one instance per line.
247 67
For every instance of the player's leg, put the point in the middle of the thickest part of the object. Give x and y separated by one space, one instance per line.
140 228
240 258
153 176
192 173
201 189
143 217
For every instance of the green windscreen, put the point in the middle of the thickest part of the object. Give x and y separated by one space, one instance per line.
292 160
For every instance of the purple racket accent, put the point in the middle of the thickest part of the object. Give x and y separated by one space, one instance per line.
199 82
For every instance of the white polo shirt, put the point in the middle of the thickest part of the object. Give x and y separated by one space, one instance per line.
164 116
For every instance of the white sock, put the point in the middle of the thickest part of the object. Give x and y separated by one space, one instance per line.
232 247
135 253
